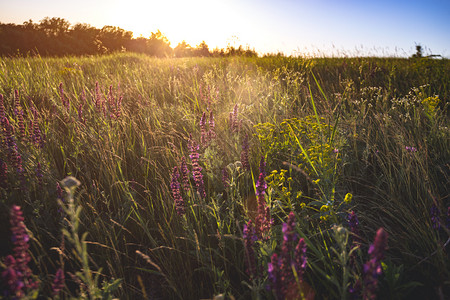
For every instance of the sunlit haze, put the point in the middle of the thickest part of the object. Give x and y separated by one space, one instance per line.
382 28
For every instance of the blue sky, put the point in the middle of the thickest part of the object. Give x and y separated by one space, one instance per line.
321 27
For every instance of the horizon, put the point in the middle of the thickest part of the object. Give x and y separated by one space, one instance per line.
294 28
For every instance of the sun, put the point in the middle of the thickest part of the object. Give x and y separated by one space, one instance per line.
193 21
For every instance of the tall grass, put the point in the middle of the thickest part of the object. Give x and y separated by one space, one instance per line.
326 127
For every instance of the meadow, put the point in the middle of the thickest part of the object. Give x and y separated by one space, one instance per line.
131 177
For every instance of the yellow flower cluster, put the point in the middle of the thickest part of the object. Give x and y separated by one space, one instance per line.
430 104
280 184
305 139
348 198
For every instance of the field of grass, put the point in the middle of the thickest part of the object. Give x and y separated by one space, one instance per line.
237 178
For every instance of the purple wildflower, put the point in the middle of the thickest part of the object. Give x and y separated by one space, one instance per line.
118 106
373 269
261 185
335 150
58 282
37 137
203 135
244 154
110 102
11 278
39 174
354 224
250 238
289 235
83 97
175 187
262 166
98 98
434 215
225 177
30 132
197 170
212 127
13 152
274 273
2 108
20 122
18 274
234 120
300 258
59 192
3 174
289 238
411 149
80 113
16 102
263 221
184 174
281 274
65 102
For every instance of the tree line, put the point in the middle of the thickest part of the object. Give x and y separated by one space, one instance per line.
57 37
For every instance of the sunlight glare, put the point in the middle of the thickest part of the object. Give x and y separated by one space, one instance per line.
192 21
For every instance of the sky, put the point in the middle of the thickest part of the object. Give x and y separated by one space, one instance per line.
301 27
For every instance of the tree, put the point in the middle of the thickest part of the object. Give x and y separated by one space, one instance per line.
84 38
202 49
183 49
114 38
159 45
54 26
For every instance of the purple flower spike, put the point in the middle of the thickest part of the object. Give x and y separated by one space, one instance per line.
289 235
17 274
98 98
261 185
37 136
250 238
197 170
203 137
300 259
379 245
11 278
244 154
434 215
212 128
39 174
65 102
292 257
411 149
373 269
184 174
175 187
16 102
274 273
354 224
3 174
262 166
225 178
2 109
80 113
234 122
58 282
263 221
